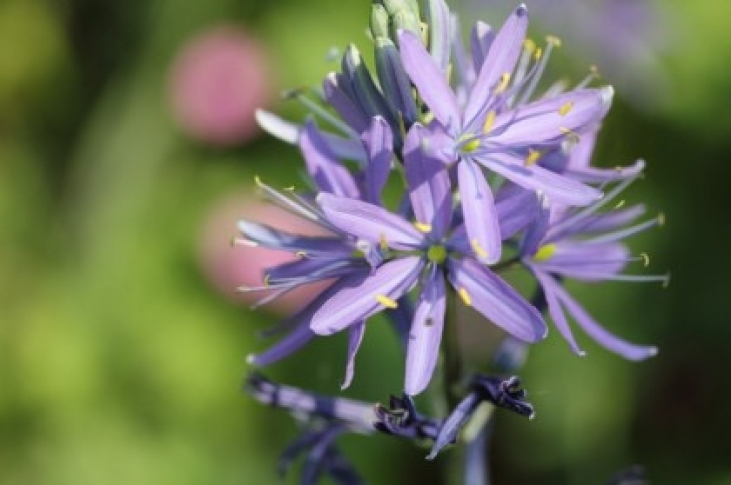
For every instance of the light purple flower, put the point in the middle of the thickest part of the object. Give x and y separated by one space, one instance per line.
585 245
426 252
496 128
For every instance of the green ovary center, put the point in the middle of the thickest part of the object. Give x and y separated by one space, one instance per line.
437 254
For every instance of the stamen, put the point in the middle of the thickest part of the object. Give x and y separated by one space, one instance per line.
237 241
553 40
566 108
266 280
504 81
462 292
489 122
571 135
538 54
620 204
382 242
421 227
301 254
479 250
533 157
529 46
386 301
645 259
661 219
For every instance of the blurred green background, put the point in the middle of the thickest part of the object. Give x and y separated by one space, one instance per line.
121 361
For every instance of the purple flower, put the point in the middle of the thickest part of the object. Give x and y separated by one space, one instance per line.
426 252
495 127
587 246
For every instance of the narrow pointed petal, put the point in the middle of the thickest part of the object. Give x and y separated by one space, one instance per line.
358 302
558 188
480 214
608 221
286 346
277 127
586 262
502 57
428 181
551 120
355 338
426 334
270 237
603 175
429 79
328 174
496 300
548 285
378 142
369 222
362 87
600 335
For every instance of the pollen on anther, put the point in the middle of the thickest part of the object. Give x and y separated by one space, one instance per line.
533 157
421 227
489 122
529 45
504 81
566 108
478 249
645 259
386 301
383 242
538 54
462 292
553 40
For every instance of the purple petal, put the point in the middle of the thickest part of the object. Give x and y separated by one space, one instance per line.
358 302
286 346
586 262
608 221
603 175
496 300
426 334
599 334
378 142
558 188
355 338
548 285
328 174
428 181
270 237
440 38
516 208
369 222
550 120
480 215
429 79
536 232
501 58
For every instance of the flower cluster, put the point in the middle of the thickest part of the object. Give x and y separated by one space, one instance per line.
496 173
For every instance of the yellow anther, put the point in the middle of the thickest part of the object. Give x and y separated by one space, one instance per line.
266 280
421 227
553 40
545 252
386 301
645 259
471 145
462 292
620 204
538 54
566 108
479 250
661 219
258 181
666 281
489 122
289 189
594 71
504 81
529 46
382 242
533 157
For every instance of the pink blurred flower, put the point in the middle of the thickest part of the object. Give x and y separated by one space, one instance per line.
217 81
228 267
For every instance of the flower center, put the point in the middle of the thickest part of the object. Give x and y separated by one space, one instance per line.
437 254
